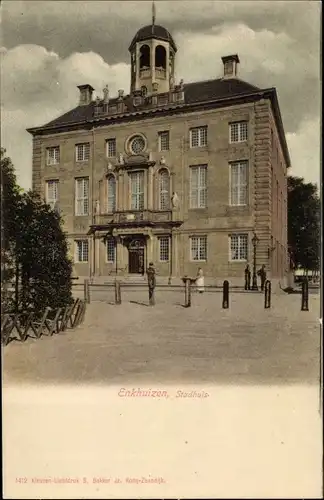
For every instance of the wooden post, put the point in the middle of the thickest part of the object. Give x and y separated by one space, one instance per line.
187 292
86 291
117 293
267 294
225 303
304 303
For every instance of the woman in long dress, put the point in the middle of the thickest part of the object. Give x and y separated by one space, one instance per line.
200 281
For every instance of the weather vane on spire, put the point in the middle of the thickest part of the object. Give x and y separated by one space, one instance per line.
153 13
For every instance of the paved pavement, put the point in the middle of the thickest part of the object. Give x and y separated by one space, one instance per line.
134 343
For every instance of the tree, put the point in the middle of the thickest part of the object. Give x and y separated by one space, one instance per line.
35 247
304 223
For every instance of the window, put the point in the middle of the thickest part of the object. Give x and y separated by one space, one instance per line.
83 152
198 186
111 194
111 148
238 183
198 137
137 145
164 141
164 248
82 251
137 190
198 248
53 155
164 190
51 194
82 196
238 247
238 131
111 249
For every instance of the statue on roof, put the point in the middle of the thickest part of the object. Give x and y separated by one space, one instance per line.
106 93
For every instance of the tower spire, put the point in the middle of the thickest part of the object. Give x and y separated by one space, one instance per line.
153 13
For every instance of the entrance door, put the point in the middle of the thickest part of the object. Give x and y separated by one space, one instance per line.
136 257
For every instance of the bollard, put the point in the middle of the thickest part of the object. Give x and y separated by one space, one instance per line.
304 303
225 304
187 293
267 294
117 293
86 291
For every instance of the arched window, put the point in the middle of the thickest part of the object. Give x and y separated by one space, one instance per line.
111 194
164 190
145 61
160 57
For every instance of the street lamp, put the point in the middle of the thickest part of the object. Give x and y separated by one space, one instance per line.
255 240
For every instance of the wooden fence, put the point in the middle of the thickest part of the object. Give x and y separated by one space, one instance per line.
19 326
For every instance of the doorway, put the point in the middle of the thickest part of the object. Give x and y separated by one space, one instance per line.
136 257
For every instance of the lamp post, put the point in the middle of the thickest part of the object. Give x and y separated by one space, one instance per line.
255 240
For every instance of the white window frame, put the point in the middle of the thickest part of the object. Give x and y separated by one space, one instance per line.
164 191
240 238
164 135
111 147
199 239
111 199
201 139
84 149
82 185
137 196
238 132
52 200
238 192
112 248
164 240
53 159
198 186
82 248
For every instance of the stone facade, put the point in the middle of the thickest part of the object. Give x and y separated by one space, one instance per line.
264 212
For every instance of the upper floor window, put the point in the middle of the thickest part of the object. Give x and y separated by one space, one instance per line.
51 194
198 248
164 250
164 189
111 148
164 141
198 137
238 247
82 196
111 250
53 155
111 194
198 186
83 151
81 250
238 183
238 131
137 190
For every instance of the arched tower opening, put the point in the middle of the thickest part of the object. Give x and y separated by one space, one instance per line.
160 57
145 57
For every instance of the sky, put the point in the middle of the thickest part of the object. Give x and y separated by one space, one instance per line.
50 47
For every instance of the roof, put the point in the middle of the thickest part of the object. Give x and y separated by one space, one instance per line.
153 31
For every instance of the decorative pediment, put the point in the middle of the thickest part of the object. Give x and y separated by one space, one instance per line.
143 160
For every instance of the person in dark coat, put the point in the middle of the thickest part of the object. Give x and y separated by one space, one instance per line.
151 280
247 275
263 276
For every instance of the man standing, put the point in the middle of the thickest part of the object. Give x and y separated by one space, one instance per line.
151 280
263 276
247 275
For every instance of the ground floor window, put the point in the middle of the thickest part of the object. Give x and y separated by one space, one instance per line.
111 250
164 248
198 248
238 247
81 250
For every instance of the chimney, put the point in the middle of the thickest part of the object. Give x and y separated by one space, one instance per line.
230 66
85 94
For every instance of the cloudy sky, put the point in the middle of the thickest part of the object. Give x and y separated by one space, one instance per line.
50 47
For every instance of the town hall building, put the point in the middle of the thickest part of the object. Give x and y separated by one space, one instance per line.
185 175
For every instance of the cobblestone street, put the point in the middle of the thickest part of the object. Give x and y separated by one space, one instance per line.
133 343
